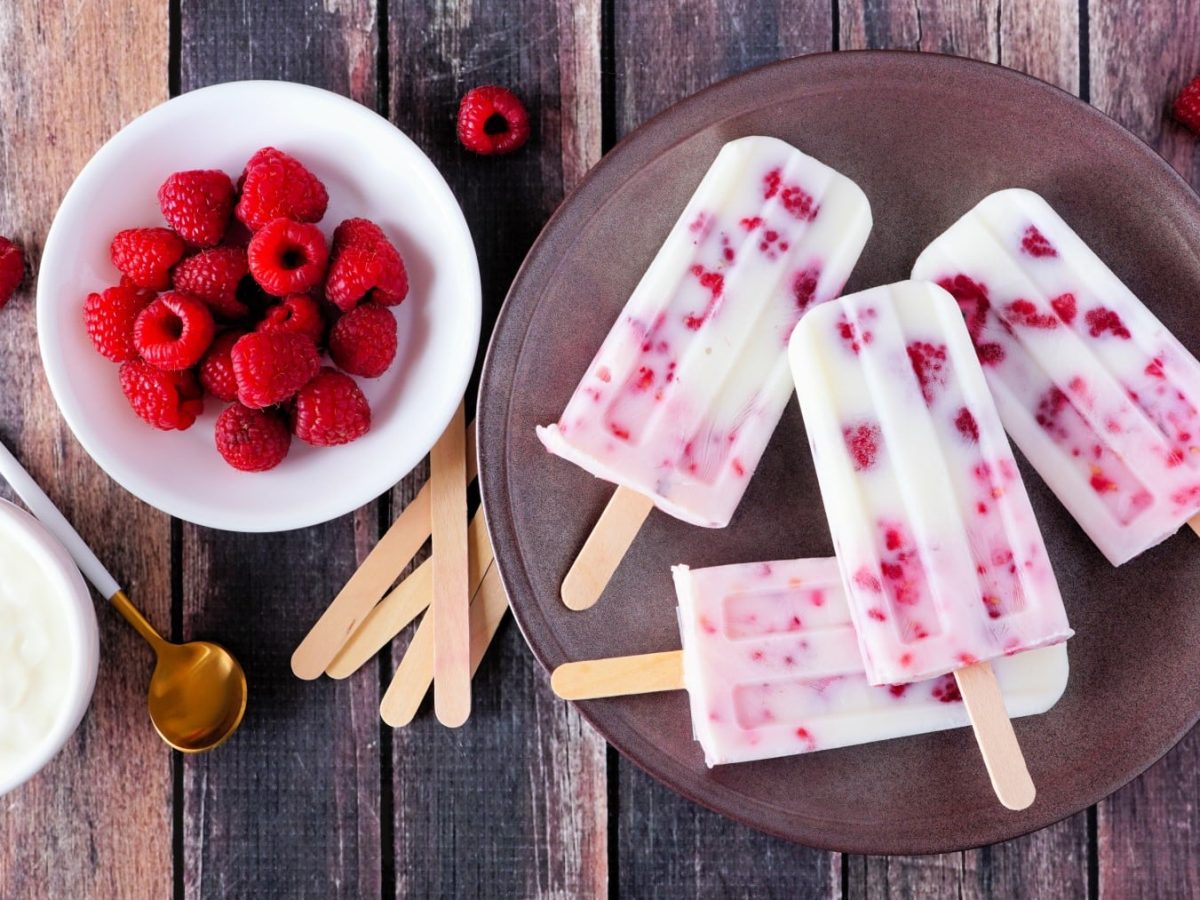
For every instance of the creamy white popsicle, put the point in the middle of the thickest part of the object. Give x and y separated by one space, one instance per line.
942 559
685 391
1099 396
772 667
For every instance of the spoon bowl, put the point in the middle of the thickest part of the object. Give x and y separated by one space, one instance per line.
197 695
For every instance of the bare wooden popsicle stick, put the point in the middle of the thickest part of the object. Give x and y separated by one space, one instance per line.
450 609
415 672
995 736
619 676
382 566
605 547
407 601
1194 522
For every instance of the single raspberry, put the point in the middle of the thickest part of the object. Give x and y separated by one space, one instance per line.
146 255
275 185
197 204
214 276
110 317
216 369
12 269
364 261
1186 107
491 119
174 331
287 257
299 313
330 410
363 342
272 367
252 440
167 400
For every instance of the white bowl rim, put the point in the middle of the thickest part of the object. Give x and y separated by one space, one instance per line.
81 621
322 506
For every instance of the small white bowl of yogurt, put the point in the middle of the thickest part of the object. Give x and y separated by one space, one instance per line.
49 647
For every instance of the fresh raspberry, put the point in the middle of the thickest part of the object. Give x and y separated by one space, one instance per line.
275 185
330 410
214 276
174 331
167 400
197 204
364 261
492 120
287 257
1186 107
298 313
216 369
252 440
110 317
272 367
12 269
363 342
146 255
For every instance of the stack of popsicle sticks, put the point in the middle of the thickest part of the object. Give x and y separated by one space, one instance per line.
365 616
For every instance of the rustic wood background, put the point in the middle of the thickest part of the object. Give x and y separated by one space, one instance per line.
315 797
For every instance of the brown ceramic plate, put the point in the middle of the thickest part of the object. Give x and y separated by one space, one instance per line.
926 137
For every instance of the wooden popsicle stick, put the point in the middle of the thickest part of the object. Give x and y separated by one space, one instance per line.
605 547
995 736
450 609
415 672
619 676
407 601
382 566
1194 522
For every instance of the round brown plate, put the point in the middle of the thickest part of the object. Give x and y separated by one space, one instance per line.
926 137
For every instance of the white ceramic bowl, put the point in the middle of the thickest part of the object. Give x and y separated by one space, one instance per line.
370 169
82 651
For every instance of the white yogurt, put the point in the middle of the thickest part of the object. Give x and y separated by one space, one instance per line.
48 646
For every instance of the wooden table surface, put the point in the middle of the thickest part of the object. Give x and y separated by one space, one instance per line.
315 797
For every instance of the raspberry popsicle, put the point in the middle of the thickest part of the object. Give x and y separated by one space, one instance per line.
771 665
683 395
941 556
1100 397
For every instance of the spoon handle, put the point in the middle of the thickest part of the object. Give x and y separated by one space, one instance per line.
43 507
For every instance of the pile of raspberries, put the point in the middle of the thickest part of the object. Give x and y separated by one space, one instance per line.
238 298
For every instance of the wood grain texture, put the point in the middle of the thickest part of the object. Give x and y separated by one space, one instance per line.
1040 37
290 807
523 783
1148 837
668 846
97 821
1050 863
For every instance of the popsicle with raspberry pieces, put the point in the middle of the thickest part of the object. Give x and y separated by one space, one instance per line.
682 397
943 563
1099 396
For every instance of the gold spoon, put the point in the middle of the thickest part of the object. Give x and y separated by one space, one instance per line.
198 691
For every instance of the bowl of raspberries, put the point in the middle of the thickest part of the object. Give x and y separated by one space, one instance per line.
258 306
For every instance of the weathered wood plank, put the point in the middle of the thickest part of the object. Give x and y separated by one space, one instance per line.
667 845
1043 40
97 822
290 807
513 803
1148 838
1040 38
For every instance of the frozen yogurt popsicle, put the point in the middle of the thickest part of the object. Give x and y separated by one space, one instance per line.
941 557
772 668
684 393
1099 396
